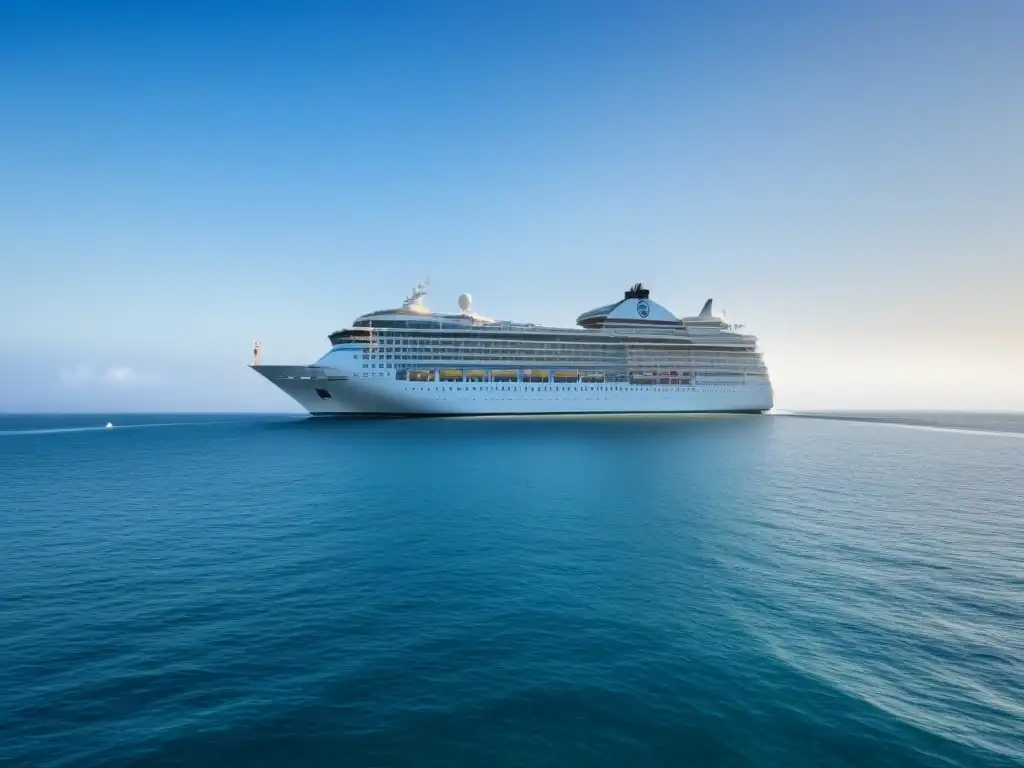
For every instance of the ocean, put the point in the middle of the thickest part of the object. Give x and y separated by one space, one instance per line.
826 590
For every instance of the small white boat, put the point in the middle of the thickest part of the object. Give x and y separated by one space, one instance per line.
109 425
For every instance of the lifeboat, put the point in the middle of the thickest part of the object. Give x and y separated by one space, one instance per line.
567 375
451 374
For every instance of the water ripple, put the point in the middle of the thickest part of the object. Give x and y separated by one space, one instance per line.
772 592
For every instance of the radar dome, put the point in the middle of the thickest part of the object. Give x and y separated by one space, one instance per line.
465 302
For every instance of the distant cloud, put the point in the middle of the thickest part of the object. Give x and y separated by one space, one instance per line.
83 375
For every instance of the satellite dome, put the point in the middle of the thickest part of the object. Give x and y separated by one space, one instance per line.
465 302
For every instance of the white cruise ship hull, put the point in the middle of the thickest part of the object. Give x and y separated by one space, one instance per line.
324 391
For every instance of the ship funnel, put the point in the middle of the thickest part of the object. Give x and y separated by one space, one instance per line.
706 311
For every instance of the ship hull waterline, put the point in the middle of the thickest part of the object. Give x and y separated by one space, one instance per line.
327 392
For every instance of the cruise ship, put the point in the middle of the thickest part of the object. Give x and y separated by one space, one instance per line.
630 356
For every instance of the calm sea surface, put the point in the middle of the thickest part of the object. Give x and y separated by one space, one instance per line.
769 591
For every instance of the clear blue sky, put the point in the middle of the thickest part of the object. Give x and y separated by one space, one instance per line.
180 179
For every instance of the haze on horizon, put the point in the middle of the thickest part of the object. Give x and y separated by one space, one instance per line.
177 181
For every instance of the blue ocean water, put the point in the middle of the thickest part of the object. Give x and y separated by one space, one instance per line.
733 591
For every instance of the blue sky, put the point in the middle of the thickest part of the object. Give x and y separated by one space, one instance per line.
180 179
